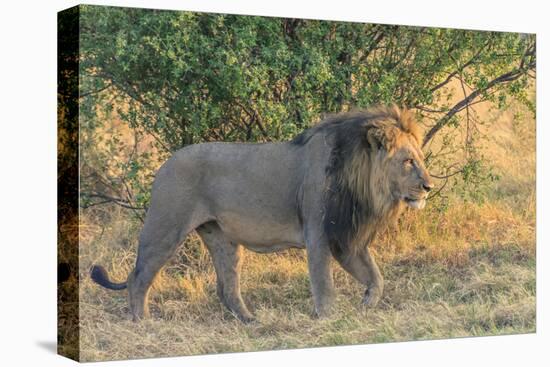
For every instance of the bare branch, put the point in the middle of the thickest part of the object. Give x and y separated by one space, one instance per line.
460 69
449 175
504 78
85 94
110 199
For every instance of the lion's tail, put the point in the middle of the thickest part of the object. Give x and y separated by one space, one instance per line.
100 276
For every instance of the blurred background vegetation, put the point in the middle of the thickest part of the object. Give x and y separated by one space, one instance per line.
175 78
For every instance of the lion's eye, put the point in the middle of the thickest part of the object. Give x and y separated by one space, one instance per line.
409 162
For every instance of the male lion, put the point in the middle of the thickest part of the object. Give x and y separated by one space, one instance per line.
329 190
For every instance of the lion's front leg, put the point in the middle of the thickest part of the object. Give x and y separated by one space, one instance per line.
322 288
363 268
375 283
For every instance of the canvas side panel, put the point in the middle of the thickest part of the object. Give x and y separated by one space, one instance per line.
67 183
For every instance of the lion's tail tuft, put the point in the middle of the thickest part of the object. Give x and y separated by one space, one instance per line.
100 276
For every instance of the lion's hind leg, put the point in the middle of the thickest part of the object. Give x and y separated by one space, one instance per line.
226 257
152 255
159 239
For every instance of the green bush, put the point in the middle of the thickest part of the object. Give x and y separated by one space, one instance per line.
184 78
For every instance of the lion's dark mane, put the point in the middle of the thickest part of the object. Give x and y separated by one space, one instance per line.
350 220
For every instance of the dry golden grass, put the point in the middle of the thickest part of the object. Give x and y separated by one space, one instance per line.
465 271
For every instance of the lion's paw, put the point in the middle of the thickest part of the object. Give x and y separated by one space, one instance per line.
246 318
372 297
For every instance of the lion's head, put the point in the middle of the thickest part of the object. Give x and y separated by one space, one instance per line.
397 164
376 168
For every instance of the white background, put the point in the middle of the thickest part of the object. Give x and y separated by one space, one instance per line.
28 182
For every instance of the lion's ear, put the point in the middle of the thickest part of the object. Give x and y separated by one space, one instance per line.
380 137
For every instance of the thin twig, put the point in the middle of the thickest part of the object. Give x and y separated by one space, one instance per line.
438 192
123 203
85 94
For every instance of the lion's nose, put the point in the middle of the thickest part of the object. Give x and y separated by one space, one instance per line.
428 186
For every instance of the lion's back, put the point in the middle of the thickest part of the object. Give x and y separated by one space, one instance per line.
247 181
263 165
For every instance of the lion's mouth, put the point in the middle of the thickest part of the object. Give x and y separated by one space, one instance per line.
415 203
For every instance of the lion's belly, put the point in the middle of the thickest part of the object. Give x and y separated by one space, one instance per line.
260 234
271 248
